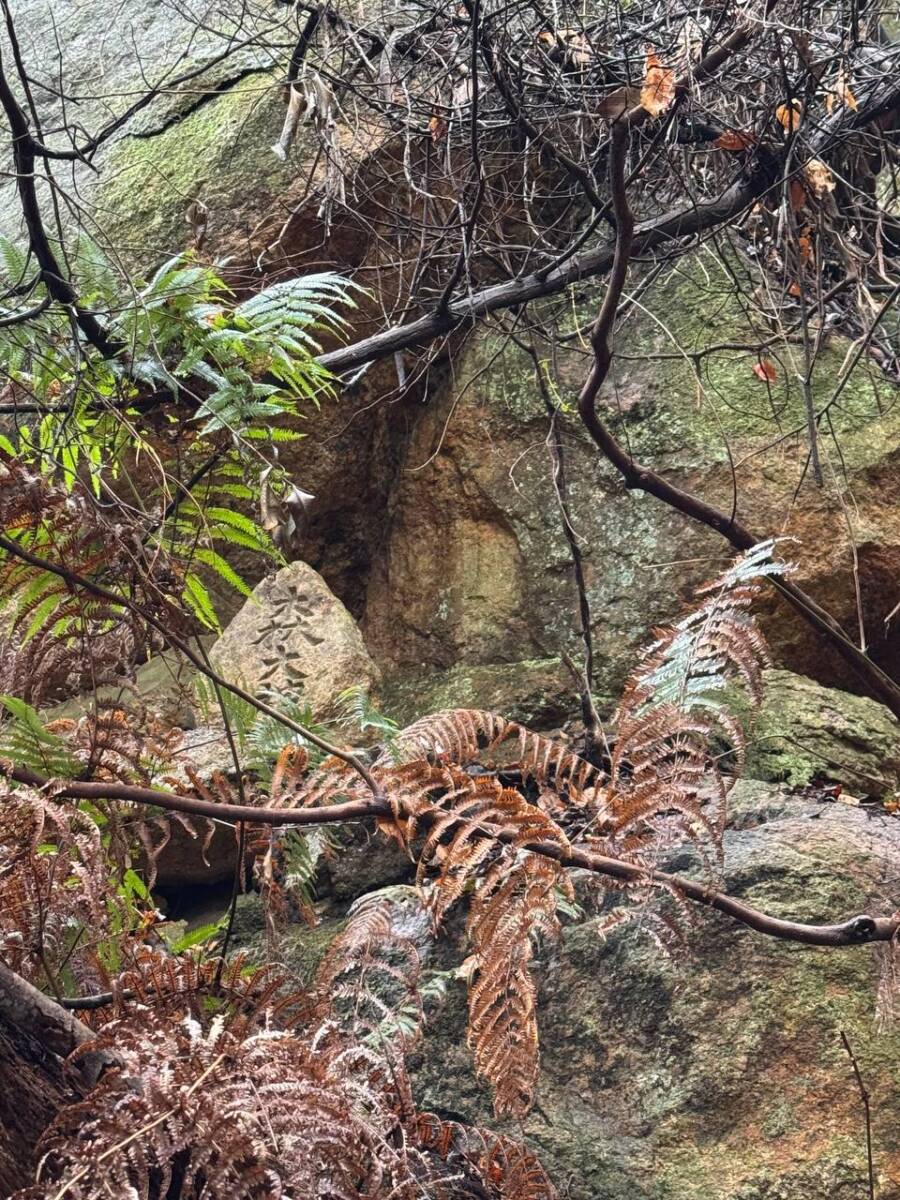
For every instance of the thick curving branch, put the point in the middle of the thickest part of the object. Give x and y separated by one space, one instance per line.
854 932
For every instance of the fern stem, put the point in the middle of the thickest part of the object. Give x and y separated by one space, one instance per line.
857 931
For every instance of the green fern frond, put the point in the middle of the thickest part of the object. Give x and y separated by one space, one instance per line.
25 740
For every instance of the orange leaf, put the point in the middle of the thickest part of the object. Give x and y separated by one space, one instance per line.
735 139
789 115
841 93
765 371
437 127
797 194
805 246
395 830
794 289
658 91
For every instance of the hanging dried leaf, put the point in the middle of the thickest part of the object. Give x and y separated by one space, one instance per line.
658 91
797 195
765 371
819 177
437 127
841 94
804 245
790 115
794 289
735 139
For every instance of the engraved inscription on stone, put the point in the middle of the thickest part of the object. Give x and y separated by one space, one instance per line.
295 638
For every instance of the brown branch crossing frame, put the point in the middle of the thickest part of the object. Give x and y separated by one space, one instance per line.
854 932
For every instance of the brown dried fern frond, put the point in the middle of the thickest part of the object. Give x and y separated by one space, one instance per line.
511 1170
368 981
515 902
55 899
215 1115
672 729
243 995
460 737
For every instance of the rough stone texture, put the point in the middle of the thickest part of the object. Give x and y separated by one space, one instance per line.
294 637
805 730
721 1075
474 566
538 692
724 1075
437 522
210 128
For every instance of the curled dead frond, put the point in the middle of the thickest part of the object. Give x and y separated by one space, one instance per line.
55 899
368 980
512 1170
244 996
221 1113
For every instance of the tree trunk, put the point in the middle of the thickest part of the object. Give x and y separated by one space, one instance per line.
36 1035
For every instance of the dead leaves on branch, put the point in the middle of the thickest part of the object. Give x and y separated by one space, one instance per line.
765 370
841 96
658 90
789 115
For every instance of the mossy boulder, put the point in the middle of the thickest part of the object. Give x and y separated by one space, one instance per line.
805 731
722 1075
474 566
718 1074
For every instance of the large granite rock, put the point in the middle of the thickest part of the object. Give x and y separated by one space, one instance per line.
721 1075
294 638
805 731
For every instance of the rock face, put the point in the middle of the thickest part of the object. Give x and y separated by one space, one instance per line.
436 521
474 567
720 1075
804 730
294 637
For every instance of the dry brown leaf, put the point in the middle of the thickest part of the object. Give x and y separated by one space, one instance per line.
819 177
794 289
797 194
437 127
735 139
790 115
841 94
805 246
658 91
765 371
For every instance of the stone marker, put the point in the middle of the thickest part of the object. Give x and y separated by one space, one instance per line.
294 638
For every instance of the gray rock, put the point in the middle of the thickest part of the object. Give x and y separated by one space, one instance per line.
294 637
804 730
720 1076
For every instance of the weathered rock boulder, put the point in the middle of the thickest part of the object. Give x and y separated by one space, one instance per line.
295 638
718 1075
722 1075
804 731
474 568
